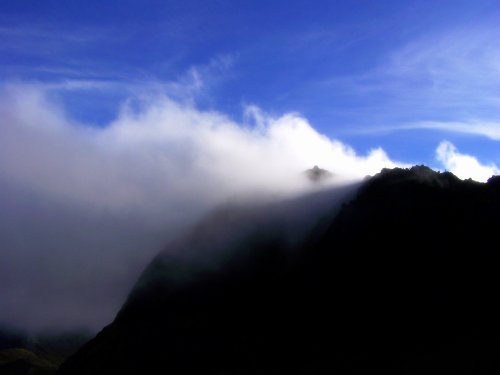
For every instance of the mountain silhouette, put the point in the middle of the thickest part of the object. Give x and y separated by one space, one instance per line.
401 278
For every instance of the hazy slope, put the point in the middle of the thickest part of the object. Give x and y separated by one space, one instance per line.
43 353
404 279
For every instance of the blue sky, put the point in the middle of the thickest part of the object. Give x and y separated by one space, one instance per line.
401 75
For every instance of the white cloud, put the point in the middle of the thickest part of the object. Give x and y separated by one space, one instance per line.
91 206
463 165
487 129
166 146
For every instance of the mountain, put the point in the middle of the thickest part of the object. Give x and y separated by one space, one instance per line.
10 338
23 361
317 174
36 354
401 278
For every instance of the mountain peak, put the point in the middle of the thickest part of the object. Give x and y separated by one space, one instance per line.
419 174
317 174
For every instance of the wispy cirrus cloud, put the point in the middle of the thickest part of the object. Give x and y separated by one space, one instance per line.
445 82
48 40
490 130
46 32
451 68
486 129
438 76
453 56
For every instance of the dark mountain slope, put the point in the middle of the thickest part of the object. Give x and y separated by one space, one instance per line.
37 354
404 280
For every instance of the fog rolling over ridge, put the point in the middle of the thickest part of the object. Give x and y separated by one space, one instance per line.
239 231
86 208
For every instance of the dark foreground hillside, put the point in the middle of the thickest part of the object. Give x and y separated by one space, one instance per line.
405 279
42 354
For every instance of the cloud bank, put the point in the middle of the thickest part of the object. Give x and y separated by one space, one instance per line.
85 208
463 165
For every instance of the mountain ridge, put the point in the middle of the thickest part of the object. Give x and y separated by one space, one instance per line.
403 279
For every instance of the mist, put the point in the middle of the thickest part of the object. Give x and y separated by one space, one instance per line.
85 208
